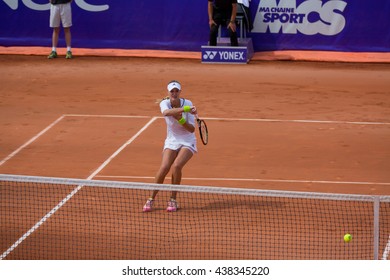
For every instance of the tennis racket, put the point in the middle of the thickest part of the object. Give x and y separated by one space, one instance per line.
203 132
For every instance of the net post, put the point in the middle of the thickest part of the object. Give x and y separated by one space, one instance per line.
376 226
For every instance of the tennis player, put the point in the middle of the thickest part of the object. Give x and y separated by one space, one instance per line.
180 143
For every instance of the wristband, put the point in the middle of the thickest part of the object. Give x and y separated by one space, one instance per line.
182 121
186 109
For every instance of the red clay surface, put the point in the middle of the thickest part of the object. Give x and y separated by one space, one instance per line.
35 92
94 105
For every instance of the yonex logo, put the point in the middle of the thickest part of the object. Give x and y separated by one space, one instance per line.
232 55
209 55
228 55
224 55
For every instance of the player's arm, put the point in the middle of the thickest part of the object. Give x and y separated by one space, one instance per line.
189 127
173 112
178 111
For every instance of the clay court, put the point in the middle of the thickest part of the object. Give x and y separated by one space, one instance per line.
321 127
276 125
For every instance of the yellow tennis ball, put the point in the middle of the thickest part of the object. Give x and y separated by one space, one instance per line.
347 237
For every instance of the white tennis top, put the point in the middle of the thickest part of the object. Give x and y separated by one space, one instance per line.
177 135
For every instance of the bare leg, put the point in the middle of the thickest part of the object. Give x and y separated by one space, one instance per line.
55 36
182 158
68 37
169 157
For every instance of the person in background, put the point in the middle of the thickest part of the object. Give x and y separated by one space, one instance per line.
61 12
222 12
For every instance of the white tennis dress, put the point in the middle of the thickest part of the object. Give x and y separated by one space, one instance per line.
177 135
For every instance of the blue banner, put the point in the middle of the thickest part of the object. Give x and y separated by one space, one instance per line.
182 25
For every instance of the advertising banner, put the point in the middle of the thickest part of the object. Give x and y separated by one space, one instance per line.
182 25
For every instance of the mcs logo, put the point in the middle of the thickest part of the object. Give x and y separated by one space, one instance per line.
311 17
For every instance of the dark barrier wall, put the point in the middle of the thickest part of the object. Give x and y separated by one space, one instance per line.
182 25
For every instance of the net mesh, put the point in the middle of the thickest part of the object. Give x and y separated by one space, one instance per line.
54 218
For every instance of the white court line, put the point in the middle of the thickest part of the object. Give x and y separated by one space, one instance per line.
387 250
30 141
300 121
253 180
70 195
121 148
107 116
243 119
56 122
217 119
38 224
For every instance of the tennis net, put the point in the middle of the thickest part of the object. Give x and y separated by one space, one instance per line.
57 218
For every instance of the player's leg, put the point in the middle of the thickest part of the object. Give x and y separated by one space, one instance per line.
168 159
182 158
166 163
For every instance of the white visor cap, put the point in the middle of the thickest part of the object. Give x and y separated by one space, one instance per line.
173 85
